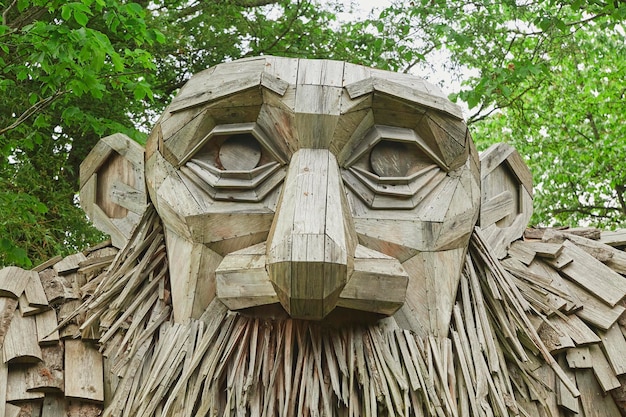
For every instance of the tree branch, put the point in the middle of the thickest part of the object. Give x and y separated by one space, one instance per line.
40 105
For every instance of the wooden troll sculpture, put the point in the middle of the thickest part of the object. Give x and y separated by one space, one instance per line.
315 238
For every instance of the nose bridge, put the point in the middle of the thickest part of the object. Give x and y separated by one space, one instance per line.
311 245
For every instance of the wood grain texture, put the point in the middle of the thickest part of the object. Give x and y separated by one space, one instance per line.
13 281
20 343
80 357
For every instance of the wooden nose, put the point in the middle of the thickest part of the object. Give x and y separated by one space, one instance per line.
311 245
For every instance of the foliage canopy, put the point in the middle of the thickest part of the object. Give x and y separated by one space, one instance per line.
548 77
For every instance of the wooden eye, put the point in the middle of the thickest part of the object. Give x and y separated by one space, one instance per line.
240 153
397 159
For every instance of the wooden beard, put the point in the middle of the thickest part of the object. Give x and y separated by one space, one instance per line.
307 237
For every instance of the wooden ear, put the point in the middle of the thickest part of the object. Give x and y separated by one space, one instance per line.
113 188
506 196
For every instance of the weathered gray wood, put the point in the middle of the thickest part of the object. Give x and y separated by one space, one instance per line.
13 281
7 312
20 343
79 384
594 276
56 287
243 281
17 386
69 264
193 287
579 358
614 237
602 369
53 406
614 347
377 284
48 375
34 292
617 261
46 323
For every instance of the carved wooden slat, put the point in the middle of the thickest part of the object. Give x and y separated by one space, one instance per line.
54 406
46 323
595 277
17 385
20 343
614 347
13 281
48 375
69 264
79 384
34 292
8 307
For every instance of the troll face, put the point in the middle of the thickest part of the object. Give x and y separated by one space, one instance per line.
318 185
315 189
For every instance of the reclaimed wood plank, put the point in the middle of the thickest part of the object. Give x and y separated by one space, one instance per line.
613 237
20 343
614 346
34 292
8 307
54 406
606 284
617 261
602 369
595 311
69 264
48 376
579 358
17 385
13 281
79 384
47 323
56 287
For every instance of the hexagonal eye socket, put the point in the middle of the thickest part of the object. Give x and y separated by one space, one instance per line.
392 168
397 159
234 163
237 152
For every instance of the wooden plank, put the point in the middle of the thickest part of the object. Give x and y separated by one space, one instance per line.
13 281
48 376
545 250
20 343
554 340
79 384
34 292
563 397
617 261
243 281
603 282
496 208
594 311
522 251
602 369
17 386
4 382
195 285
575 328
83 409
56 287
614 346
613 238
560 262
53 406
377 284
11 410
46 323
47 264
69 264
541 268
579 358
8 307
